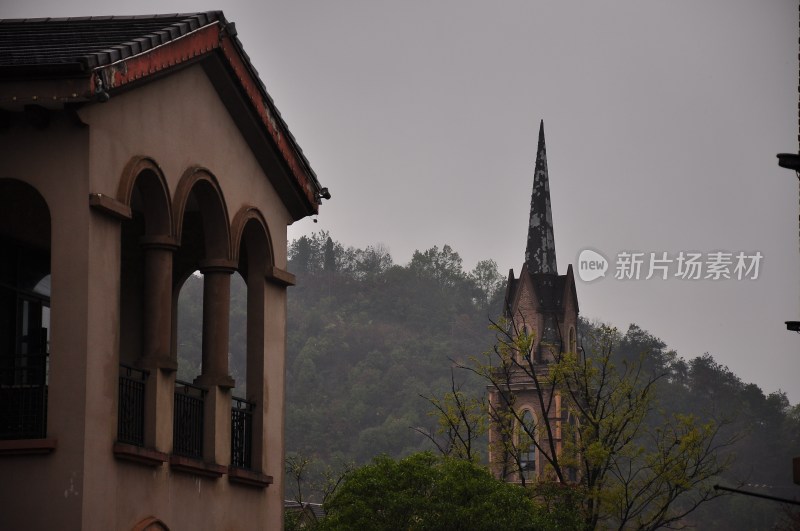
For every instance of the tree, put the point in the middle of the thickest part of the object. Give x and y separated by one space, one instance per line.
297 472
461 422
306 481
488 280
445 266
303 254
329 256
310 481
372 261
423 492
596 430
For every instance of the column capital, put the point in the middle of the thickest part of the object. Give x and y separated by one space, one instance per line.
157 362
220 380
158 241
217 265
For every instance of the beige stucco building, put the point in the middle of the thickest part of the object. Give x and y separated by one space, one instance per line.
133 152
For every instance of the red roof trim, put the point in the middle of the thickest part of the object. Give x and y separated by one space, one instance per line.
155 60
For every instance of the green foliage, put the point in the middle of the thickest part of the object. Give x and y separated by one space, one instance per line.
461 421
307 478
559 505
488 280
296 474
294 521
424 492
443 267
366 338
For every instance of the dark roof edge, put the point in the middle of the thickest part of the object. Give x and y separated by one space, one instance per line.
229 31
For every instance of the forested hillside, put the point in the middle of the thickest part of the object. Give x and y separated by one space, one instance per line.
367 337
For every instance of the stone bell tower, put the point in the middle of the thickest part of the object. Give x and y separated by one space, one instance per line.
543 305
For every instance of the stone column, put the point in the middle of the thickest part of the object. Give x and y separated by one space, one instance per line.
215 378
273 390
157 301
256 286
216 326
157 357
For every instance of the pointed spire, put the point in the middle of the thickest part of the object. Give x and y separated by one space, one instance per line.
540 254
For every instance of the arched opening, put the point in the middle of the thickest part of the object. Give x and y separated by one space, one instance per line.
527 448
24 311
247 354
148 227
151 523
204 249
203 257
145 302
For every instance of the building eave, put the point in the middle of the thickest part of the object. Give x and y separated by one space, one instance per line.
211 42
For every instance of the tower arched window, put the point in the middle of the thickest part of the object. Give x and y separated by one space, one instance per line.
527 448
572 341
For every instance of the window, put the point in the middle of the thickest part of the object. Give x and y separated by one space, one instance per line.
550 333
572 341
527 449
572 431
529 339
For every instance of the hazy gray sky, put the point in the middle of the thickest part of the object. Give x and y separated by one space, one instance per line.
662 122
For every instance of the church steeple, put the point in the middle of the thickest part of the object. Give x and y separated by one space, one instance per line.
542 305
540 254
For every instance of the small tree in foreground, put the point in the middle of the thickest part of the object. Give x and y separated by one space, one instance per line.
308 482
461 421
635 466
425 492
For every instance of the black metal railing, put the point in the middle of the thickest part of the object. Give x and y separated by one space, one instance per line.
187 434
242 432
23 397
130 409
